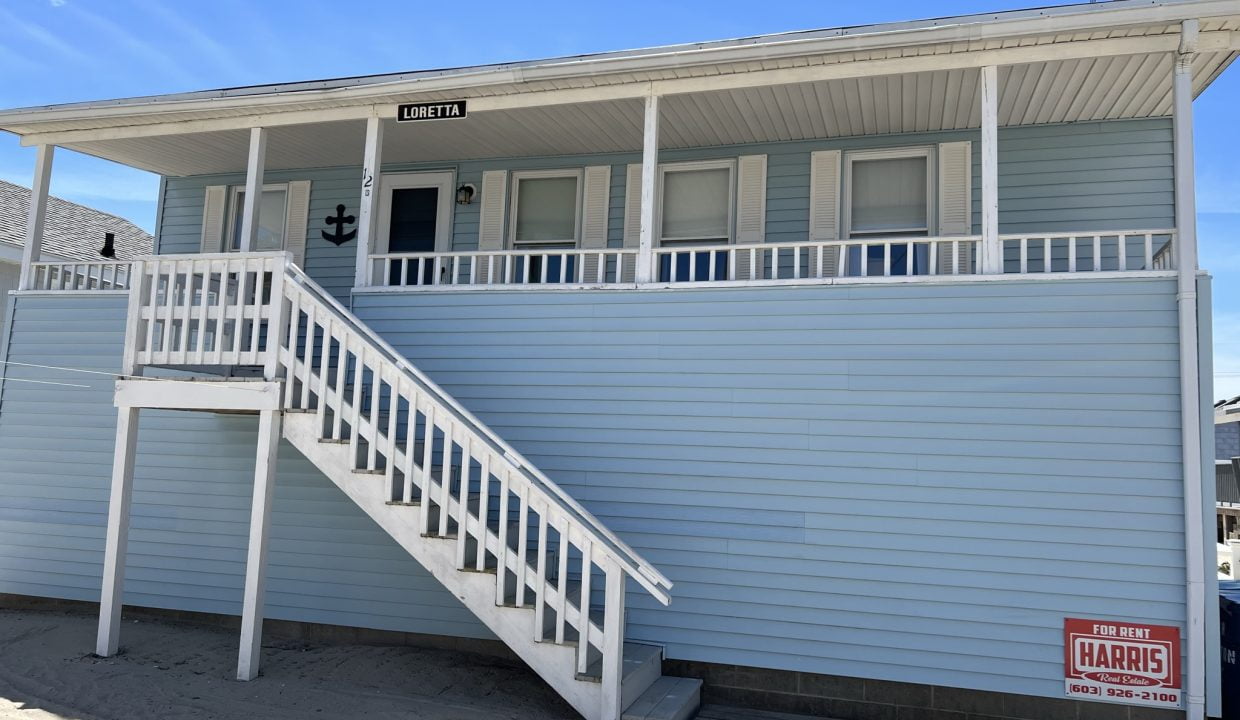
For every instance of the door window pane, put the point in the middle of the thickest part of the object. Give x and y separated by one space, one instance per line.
889 195
695 204
271 218
414 213
546 210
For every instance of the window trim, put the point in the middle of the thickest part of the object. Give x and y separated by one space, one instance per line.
230 214
444 180
577 174
850 156
728 164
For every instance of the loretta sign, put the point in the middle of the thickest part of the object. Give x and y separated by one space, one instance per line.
447 110
1122 662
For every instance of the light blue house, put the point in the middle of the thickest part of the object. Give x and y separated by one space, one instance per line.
835 368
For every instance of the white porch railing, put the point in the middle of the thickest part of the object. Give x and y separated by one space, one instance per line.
1116 251
765 263
69 276
769 263
210 309
505 267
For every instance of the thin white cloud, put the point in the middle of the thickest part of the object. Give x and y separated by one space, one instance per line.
44 37
13 60
157 60
204 45
58 3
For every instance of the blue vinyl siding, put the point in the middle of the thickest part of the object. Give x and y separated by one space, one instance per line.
907 482
329 563
1114 175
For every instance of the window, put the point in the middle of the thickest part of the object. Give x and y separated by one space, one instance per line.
546 208
888 193
272 216
695 204
695 208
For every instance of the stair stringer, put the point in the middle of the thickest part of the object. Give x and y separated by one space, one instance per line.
514 626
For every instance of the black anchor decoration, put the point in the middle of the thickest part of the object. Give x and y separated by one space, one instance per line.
340 237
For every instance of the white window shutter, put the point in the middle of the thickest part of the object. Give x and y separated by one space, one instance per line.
632 218
491 217
751 199
955 187
955 181
298 220
824 204
213 207
633 206
596 199
491 214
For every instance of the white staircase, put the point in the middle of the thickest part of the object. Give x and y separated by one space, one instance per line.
537 568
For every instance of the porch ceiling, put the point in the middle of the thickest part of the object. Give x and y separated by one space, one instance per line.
1073 90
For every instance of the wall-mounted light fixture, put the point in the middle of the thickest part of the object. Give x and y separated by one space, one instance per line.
465 194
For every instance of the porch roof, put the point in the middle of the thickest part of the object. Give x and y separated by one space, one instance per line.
1063 64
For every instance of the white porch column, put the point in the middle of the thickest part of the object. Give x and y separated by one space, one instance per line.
116 543
650 165
1190 391
991 256
37 214
253 189
368 211
256 557
613 644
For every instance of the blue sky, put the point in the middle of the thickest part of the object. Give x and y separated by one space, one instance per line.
70 50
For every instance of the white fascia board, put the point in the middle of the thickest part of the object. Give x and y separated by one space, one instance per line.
946 30
79 139
208 395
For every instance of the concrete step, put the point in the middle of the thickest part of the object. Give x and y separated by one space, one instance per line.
668 698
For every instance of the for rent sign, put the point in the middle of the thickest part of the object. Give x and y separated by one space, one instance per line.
1122 662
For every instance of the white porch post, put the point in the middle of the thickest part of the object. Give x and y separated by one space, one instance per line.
991 257
256 557
253 189
1190 391
613 643
368 211
37 214
650 164
115 546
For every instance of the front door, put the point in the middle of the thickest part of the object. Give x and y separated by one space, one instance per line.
415 218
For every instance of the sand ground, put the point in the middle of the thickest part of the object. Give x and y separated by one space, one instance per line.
170 671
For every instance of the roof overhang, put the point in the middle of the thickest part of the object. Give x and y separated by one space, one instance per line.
1064 64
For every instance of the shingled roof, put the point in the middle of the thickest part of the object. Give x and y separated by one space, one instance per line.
73 232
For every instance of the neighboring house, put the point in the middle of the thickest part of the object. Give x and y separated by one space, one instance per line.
72 232
877 352
1226 459
1227 429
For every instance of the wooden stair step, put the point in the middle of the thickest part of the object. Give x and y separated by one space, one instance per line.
668 698
638 657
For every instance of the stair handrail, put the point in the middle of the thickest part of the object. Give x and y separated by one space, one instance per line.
634 564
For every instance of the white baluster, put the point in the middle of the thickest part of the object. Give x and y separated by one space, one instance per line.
561 599
522 542
583 608
484 498
540 577
428 450
462 502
